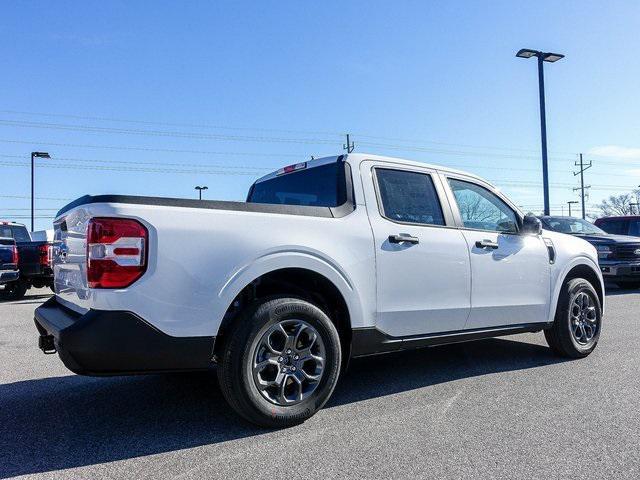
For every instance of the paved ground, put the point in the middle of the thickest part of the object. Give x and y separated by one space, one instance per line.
503 408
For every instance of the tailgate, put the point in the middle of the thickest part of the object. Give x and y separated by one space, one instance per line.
70 261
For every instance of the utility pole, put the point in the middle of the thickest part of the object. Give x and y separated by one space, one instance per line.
582 188
571 202
349 146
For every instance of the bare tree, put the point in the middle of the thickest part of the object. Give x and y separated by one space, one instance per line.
617 204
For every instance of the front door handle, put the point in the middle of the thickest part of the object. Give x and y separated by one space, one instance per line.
486 244
403 239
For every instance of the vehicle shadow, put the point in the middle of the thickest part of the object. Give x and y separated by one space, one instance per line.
615 291
64 422
27 299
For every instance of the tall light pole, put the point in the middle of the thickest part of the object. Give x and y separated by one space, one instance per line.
200 191
542 57
571 202
35 155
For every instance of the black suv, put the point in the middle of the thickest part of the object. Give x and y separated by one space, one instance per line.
618 255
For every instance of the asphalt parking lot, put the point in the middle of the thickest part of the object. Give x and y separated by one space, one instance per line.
502 408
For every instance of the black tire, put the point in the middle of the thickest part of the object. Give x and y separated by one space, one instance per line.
236 369
628 285
560 336
14 291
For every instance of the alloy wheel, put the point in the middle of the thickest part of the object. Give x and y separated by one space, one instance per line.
288 362
584 318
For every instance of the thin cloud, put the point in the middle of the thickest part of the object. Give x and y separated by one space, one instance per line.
616 151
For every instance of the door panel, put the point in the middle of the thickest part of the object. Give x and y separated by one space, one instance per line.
510 272
511 282
422 287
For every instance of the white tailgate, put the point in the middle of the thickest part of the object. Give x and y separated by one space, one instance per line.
70 261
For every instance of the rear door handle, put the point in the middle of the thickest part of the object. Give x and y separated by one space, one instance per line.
486 244
403 239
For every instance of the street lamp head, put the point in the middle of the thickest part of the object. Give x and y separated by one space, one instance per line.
202 188
40 154
545 56
527 53
552 57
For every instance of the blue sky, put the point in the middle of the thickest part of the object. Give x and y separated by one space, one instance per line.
170 95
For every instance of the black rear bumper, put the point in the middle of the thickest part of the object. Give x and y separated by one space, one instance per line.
7 276
103 342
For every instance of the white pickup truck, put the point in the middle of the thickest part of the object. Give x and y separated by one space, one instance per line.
327 260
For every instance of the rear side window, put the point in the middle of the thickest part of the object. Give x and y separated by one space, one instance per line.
634 228
618 227
323 186
19 233
409 197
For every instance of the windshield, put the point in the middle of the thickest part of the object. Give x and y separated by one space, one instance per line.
322 186
574 226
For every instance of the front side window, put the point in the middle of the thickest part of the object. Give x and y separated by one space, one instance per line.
481 209
409 197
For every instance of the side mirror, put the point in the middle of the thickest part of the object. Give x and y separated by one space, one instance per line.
531 225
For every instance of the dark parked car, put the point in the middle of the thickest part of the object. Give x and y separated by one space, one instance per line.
34 261
629 225
8 261
618 255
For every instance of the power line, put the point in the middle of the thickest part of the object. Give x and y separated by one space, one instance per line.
127 162
152 149
296 132
37 198
173 124
163 133
132 169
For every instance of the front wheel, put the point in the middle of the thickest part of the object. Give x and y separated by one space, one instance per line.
578 321
280 363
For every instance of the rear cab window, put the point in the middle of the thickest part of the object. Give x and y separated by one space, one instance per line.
18 232
321 186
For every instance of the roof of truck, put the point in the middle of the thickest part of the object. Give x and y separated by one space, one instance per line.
356 158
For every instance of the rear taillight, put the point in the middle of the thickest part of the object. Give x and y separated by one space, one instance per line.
116 252
14 255
44 254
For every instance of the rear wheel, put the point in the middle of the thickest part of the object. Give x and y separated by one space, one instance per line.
628 285
280 363
577 324
14 290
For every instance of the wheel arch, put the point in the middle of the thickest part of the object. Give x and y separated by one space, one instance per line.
581 268
300 282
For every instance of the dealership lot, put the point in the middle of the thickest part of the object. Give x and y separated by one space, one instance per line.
502 408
